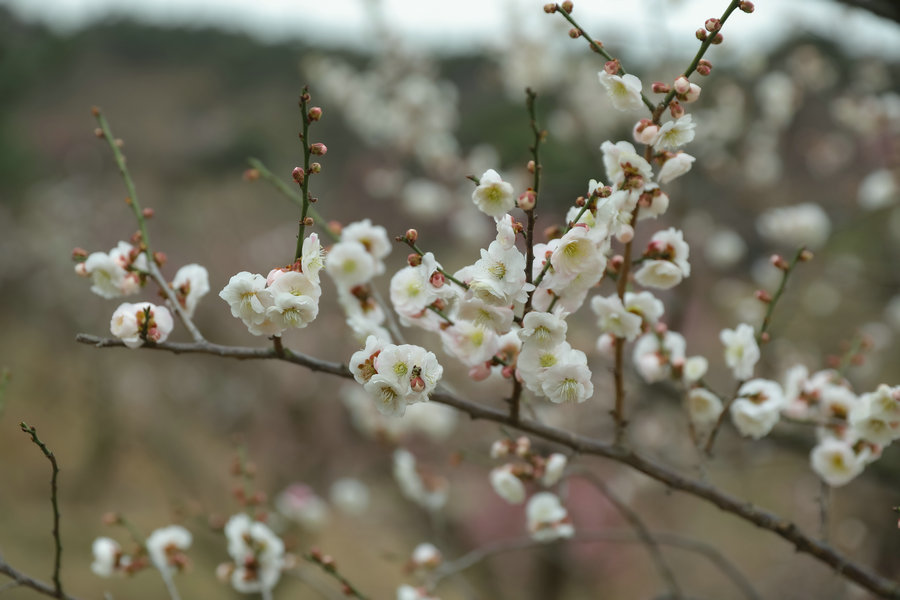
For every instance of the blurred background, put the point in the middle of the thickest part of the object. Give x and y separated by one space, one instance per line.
802 106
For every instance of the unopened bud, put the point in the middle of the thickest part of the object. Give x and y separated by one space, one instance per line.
550 8
527 200
530 166
95 111
411 236
99 133
574 33
580 201
308 221
616 262
417 384
682 85
437 279
747 6
612 67
704 67
335 227
713 25
251 174
763 296
676 110
765 337
314 114
701 35
718 39
79 254
414 260
806 256
568 6
659 87
110 518
148 213
299 175
523 446
692 94
160 258
305 97
319 149
315 167
778 262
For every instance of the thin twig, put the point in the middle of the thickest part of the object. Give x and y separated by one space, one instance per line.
418 251
304 186
739 507
25 581
785 275
57 583
640 529
329 567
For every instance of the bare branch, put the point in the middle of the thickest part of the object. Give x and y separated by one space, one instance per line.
762 518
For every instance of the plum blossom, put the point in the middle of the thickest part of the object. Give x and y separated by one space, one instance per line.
374 239
258 554
136 323
741 350
614 318
836 462
191 283
568 382
653 359
108 557
247 296
166 547
675 166
507 485
703 407
429 492
547 520
674 134
554 469
757 408
542 329
624 91
350 264
493 196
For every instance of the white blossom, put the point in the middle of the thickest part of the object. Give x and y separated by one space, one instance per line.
350 496
191 283
614 318
165 544
108 558
350 264
130 322
258 554
674 134
659 274
653 360
836 462
757 408
312 257
542 329
493 196
107 274
703 407
554 469
624 91
374 239
430 493
507 485
567 383
675 166
247 296
741 350
547 519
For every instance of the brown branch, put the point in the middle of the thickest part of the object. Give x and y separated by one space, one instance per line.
25 581
743 509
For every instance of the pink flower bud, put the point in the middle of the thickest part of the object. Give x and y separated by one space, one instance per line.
778 262
763 296
659 87
612 67
568 6
645 132
414 260
701 35
417 384
574 33
315 113
299 175
527 200
315 167
682 85
718 39
747 6
704 67
676 110
713 25
550 8
692 94
437 279
319 149
411 236
480 372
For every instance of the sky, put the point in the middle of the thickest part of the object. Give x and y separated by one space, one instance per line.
461 25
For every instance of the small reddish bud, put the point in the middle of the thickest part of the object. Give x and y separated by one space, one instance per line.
440 304
160 258
574 33
661 328
747 6
437 279
305 97
682 85
316 555
530 166
704 67
858 360
120 143
251 175
580 201
701 35
411 236
314 114
99 133
110 518
612 67
763 296
806 256
527 200
95 111
347 590
299 175
718 39
713 25
508 371
765 337
523 446
308 221
568 6
659 87
676 110
148 213
335 227
315 167
319 149
549 8
417 384
616 262
414 260
79 254
778 262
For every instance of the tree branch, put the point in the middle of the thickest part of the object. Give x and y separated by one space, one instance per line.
760 517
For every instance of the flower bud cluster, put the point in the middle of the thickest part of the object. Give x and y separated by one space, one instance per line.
119 272
136 324
257 555
165 548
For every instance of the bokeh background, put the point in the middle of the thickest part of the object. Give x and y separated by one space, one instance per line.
802 106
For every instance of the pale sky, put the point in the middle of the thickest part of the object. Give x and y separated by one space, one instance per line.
463 24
